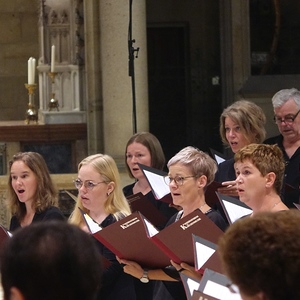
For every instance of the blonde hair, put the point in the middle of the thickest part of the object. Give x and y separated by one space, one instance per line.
116 203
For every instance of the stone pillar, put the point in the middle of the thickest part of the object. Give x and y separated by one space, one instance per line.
235 47
116 83
94 99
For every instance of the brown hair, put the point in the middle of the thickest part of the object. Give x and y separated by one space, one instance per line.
46 193
153 145
266 158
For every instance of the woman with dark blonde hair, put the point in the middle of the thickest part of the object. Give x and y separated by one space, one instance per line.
242 123
32 196
100 196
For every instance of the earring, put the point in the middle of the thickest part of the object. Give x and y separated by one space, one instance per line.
108 193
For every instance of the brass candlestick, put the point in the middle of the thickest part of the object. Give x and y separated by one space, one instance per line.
31 113
53 103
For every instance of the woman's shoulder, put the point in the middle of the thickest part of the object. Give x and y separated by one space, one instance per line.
216 217
50 213
128 189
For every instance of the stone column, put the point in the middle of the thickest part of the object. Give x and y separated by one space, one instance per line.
116 83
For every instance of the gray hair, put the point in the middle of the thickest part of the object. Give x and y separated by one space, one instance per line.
284 95
199 162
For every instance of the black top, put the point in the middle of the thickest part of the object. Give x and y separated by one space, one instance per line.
226 171
174 290
144 291
115 284
290 191
51 213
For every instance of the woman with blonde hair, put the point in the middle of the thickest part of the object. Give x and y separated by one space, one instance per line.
100 196
242 123
112 200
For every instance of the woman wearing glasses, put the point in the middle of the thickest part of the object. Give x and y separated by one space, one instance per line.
190 171
286 105
32 196
100 196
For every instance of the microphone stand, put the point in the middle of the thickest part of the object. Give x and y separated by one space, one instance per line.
131 51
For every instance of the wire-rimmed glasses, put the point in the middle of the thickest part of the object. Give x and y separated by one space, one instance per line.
88 184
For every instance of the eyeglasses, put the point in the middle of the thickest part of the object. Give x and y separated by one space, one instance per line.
289 119
179 180
88 184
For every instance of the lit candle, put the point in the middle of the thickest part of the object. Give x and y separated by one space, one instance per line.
52 58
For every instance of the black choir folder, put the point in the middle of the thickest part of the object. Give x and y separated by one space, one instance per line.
218 286
176 240
206 255
211 197
191 287
218 156
212 286
135 238
234 208
155 178
139 202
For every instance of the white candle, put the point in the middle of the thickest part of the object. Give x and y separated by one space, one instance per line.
52 58
29 71
33 62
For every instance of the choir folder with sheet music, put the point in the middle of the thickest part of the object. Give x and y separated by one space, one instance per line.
155 178
213 285
161 190
234 209
135 238
139 202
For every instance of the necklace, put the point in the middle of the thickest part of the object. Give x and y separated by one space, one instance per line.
276 204
202 205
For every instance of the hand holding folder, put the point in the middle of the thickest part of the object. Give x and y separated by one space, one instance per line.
135 238
176 240
129 238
